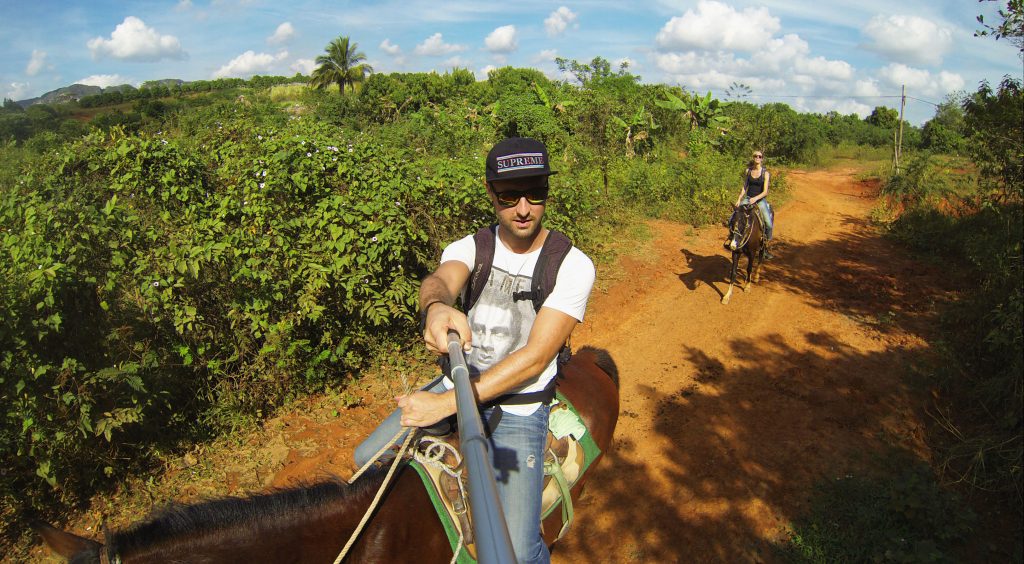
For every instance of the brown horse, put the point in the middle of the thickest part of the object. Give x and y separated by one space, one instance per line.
745 238
312 523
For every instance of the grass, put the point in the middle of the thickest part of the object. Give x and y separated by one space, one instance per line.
287 92
862 155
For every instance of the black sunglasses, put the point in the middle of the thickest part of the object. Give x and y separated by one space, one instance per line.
509 198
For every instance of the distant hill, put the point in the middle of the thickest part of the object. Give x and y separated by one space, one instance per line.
78 91
65 94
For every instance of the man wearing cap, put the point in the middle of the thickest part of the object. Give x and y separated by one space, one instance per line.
511 346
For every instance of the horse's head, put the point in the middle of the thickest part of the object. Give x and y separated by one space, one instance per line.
739 231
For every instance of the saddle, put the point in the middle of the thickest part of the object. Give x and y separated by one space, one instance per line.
570 450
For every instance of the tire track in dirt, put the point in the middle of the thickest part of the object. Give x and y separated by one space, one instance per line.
729 414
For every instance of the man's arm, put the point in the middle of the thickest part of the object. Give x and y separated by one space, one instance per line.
550 331
437 296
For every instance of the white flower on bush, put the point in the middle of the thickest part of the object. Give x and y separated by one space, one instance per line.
156 284
262 184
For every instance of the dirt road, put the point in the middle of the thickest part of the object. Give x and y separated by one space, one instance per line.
730 413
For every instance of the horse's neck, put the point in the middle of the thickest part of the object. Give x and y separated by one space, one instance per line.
315 532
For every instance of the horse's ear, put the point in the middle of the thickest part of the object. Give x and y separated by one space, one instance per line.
63 543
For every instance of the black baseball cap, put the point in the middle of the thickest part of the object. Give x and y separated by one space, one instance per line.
518 157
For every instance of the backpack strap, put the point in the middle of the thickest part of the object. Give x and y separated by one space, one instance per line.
484 241
556 247
554 251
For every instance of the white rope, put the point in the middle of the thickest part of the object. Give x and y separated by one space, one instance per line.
433 456
383 486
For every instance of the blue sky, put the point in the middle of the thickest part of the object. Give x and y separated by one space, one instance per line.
815 55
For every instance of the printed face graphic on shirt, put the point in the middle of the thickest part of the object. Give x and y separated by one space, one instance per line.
500 325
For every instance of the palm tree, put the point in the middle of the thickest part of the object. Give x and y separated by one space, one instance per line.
342 65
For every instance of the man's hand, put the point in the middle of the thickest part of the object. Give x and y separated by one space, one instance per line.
441 318
422 409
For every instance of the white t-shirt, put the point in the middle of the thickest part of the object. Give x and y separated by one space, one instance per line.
501 325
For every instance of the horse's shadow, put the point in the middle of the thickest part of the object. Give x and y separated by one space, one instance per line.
705 269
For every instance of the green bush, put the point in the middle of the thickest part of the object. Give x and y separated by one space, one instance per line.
899 516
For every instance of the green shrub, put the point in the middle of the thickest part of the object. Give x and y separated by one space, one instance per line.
901 515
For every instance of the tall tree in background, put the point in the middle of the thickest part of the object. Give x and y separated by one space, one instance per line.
342 65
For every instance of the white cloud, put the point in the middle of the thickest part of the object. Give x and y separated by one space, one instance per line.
920 81
282 34
781 53
458 61
103 80
17 91
717 26
390 48
435 46
502 40
547 55
305 66
482 73
909 39
824 69
183 5
36 63
866 87
559 21
133 41
249 63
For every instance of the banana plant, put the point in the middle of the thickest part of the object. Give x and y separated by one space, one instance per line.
548 103
703 112
638 128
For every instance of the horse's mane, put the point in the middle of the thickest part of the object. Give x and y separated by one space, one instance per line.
603 359
260 512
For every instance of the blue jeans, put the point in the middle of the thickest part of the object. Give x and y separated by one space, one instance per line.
517 456
767 215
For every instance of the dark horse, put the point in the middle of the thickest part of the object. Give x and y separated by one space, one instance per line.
312 523
745 238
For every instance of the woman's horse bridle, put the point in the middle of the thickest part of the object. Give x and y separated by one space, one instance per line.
747 211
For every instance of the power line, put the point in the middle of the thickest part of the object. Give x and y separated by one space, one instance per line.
926 101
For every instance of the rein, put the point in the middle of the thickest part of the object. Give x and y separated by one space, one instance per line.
748 218
380 492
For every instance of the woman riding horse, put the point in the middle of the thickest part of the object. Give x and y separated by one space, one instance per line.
755 191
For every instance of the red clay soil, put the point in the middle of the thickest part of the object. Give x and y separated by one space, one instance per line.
729 414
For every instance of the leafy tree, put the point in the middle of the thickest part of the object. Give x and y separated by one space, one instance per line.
996 122
883 117
945 131
342 65
597 71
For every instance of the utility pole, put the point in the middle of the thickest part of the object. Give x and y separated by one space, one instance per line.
899 135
